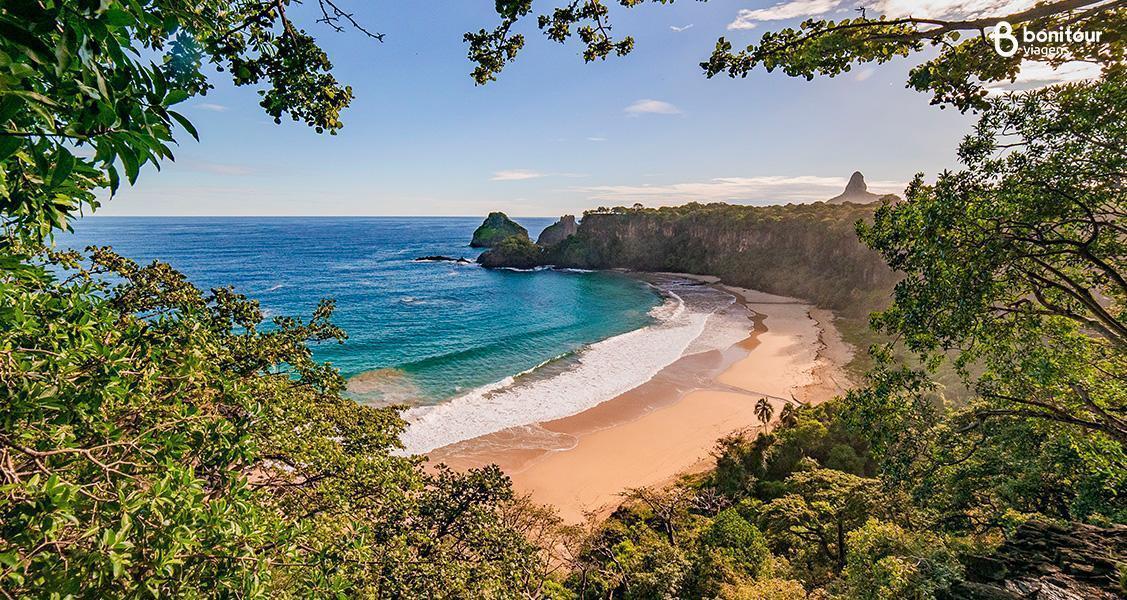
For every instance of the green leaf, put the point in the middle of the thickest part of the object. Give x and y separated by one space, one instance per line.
115 179
9 559
40 98
64 166
35 49
185 123
8 145
175 97
9 107
132 164
119 18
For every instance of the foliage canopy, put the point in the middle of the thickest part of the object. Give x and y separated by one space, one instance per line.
155 436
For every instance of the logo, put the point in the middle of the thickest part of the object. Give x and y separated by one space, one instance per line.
1039 43
1005 42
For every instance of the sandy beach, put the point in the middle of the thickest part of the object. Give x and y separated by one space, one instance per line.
669 426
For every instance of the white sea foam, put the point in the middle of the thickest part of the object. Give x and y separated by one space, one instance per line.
601 371
724 329
532 270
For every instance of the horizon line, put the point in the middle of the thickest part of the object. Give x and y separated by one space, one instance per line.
104 216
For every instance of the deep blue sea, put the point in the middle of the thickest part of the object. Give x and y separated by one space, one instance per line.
419 332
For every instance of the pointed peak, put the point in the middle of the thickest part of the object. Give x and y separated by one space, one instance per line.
856 183
856 191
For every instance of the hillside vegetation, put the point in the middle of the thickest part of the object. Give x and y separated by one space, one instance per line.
159 441
809 251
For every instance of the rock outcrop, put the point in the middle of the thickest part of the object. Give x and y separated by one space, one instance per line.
856 191
1043 561
496 228
558 231
440 258
514 252
808 251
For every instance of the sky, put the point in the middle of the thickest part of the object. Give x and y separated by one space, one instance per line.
554 135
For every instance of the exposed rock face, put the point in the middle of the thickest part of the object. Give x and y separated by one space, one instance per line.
1043 561
495 229
807 250
856 192
558 231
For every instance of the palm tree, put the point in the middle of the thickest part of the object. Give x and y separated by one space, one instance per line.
764 411
789 415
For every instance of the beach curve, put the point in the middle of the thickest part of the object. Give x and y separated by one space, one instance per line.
669 425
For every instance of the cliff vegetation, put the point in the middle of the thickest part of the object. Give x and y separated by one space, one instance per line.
809 251
496 228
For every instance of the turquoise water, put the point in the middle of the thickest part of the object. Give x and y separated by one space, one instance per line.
429 330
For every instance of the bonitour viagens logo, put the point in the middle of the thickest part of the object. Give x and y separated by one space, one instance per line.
1038 43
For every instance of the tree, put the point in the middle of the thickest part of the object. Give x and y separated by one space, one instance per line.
1015 267
731 551
157 440
668 506
965 62
820 508
788 416
962 67
764 411
888 561
81 106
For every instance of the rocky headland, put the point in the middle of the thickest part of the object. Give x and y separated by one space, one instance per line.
558 231
807 251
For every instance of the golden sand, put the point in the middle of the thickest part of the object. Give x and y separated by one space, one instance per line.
669 426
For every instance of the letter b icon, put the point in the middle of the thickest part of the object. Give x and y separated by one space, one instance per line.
1004 32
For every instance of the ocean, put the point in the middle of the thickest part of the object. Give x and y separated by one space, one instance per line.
470 350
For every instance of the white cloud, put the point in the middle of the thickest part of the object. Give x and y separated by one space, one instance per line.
747 18
648 106
682 28
966 9
863 74
596 138
211 107
1034 75
522 174
949 8
772 189
515 175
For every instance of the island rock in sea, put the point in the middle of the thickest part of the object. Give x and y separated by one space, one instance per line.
558 231
441 258
496 228
856 191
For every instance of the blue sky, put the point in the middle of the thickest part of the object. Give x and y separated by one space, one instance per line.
553 135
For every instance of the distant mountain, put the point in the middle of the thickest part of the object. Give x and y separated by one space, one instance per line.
856 192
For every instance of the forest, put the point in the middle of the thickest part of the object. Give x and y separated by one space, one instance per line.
159 440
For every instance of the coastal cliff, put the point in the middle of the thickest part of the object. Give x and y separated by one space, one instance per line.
558 231
809 251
